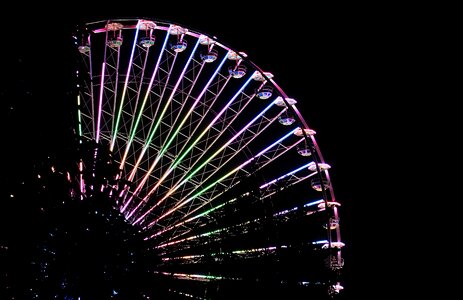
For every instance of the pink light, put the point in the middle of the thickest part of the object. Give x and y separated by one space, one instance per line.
158 158
100 103
182 203
197 139
134 210
81 168
124 91
153 76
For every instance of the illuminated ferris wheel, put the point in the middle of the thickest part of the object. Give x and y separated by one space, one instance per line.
213 162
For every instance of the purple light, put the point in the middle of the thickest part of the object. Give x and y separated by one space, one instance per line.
124 91
100 103
178 185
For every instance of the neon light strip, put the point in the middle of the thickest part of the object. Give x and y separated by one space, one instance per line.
124 91
204 234
81 169
171 139
189 199
314 203
218 136
284 176
79 119
245 251
186 257
184 294
242 165
153 131
182 180
132 175
284 212
212 123
236 152
134 129
171 168
202 165
290 133
287 148
138 119
198 236
216 96
320 242
196 217
195 276
100 103
91 87
179 205
291 184
193 144
145 148
234 170
296 208
254 250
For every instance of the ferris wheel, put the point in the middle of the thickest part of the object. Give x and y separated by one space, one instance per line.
213 162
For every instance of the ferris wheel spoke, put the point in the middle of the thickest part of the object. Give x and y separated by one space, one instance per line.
186 178
165 109
219 85
108 89
153 123
309 208
161 152
85 109
130 87
196 140
268 155
225 182
175 164
289 179
149 95
275 153
172 134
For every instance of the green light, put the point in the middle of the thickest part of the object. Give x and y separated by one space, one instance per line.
119 113
79 117
154 130
179 127
202 165
134 129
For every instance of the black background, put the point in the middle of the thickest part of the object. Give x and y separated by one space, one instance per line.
339 62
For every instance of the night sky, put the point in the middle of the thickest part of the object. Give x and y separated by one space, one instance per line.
325 57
